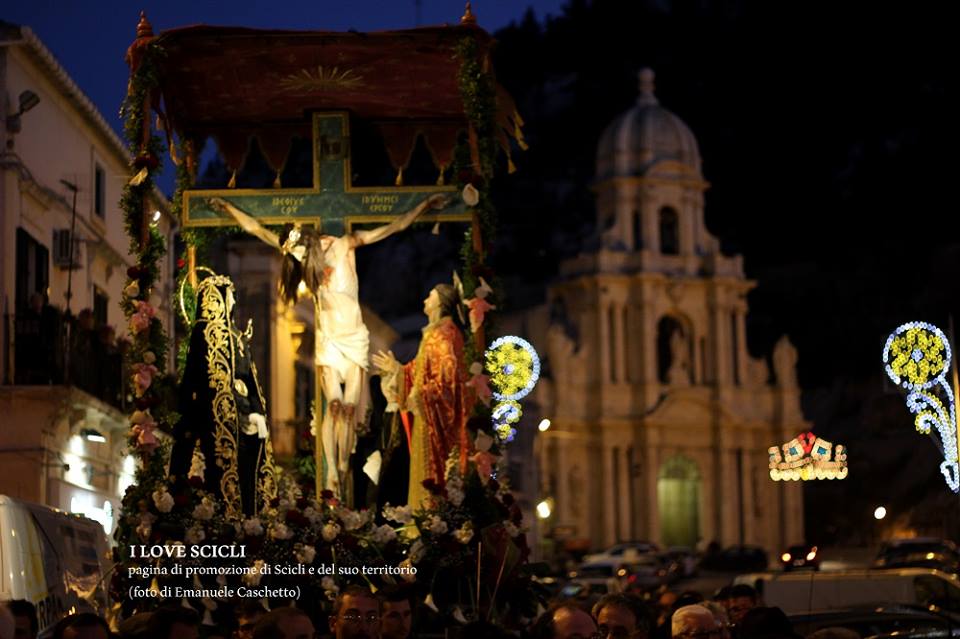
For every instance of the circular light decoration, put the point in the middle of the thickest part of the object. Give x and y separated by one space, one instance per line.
917 355
507 412
513 366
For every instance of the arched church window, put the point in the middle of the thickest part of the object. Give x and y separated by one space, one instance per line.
669 231
637 223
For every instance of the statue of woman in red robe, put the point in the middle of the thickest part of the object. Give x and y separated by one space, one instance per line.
433 388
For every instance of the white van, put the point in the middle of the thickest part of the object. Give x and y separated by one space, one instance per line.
53 559
798 593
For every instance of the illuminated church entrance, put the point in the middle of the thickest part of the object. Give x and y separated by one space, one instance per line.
678 496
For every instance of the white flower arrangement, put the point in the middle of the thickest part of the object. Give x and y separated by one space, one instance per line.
163 500
330 531
383 534
304 553
399 514
205 510
280 531
253 527
436 525
195 535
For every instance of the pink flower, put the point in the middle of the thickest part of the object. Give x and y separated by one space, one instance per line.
484 461
140 320
478 309
480 384
142 377
142 429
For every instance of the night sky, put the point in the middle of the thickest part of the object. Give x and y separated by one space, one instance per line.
828 133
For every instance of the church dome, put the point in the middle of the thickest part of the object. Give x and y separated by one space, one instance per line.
644 136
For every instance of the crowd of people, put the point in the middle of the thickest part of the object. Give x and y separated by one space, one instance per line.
734 612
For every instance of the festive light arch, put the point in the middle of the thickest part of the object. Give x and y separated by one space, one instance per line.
514 368
917 357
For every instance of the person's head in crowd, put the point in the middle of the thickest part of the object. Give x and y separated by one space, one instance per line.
396 613
175 622
687 598
722 595
564 621
24 617
284 623
82 625
247 613
742 599
766 623
694 622
7 624
720 616
483 630
356 614
139 626
621 615
834 632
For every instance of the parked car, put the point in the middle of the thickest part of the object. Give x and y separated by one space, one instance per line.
650 571
794 593
868 621
737 558
685 558
799 557
920 552
623 550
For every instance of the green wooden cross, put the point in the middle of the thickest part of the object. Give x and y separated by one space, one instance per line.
333 202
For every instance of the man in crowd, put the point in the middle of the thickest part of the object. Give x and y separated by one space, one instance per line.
695 622
356 614
621 615
247 614
176 622
25 617
565 621
396 615
7 624
82 625
284 623
742 599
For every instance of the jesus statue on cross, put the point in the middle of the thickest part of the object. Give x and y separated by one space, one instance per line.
327 265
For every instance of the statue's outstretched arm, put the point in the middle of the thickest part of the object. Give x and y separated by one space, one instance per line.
246 222
435 202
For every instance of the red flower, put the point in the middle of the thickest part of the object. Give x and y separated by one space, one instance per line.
148 160
181 263
296 518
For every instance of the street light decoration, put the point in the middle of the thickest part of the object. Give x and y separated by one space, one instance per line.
916 357
514 368
807 457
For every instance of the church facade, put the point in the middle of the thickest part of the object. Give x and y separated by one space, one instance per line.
661 419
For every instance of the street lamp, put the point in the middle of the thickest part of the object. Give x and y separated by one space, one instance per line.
879 513
545 508
544 425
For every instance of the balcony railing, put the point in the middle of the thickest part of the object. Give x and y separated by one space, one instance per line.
49 348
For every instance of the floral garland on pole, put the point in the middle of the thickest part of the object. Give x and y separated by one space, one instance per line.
149 342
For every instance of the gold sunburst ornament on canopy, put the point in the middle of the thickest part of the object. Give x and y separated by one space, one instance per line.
916 357
321 79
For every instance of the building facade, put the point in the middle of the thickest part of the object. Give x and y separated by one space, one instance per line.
63 263
661 419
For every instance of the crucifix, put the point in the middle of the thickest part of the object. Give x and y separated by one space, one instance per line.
325 260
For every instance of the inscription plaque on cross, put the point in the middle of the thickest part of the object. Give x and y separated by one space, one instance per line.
333 203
